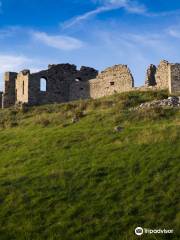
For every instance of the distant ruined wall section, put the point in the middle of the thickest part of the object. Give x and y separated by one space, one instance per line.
150 76
162 75
112 80
165 76
79 87
158 76
1 94
64 82
22 86
174 78
9 95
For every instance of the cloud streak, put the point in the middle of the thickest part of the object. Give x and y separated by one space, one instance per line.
106 6
174 32
12 62
60 42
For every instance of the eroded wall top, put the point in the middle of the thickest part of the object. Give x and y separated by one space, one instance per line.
117 78
174 81
162 75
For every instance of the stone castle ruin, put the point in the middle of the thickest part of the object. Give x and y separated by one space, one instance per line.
64 82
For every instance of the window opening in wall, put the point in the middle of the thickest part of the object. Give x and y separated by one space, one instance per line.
43 85
112 83
23 88
81 88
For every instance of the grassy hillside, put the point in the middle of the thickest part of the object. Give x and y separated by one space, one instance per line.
66 174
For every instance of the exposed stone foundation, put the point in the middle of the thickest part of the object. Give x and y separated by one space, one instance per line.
63 83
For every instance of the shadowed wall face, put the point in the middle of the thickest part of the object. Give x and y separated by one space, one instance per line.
165 76
174 79
9 95
1 93
59 84
150 76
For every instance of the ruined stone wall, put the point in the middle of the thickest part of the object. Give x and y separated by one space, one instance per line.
57 79
150 76
1 93
79 86
9 95
162 75
64 82
112 80
61 84
22 86
79 90
174 78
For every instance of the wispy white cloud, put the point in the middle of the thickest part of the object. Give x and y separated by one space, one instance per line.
12 62
130 6
174 31
58 41
15 63
106 6
137 49
163 13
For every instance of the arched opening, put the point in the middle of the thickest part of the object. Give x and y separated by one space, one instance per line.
43 84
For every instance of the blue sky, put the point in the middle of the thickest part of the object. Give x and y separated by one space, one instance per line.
97 33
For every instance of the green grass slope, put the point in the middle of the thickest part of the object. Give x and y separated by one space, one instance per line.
81 180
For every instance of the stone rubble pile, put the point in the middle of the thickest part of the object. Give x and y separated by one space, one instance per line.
169 102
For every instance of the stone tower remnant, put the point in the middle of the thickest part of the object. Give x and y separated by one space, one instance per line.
150 77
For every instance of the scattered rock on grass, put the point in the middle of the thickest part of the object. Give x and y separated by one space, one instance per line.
75 120
169 102
118 129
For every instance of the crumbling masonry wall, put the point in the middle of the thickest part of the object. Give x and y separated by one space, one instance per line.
9 95
22 87
165 76
112 80
174 78
1 93
64 82
150 76
158 76
162 75
79 87
59 81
